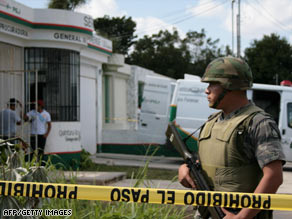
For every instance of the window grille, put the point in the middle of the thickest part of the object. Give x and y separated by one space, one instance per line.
58 81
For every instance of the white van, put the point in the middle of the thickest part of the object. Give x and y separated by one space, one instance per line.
154 115
190 108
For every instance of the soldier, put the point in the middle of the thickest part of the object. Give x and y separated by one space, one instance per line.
239 147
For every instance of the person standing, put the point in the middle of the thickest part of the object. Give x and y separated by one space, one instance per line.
239 147
40 127
9 119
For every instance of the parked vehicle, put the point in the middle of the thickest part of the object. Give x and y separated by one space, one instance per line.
154 115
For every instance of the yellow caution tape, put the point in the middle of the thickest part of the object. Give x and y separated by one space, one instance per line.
147 195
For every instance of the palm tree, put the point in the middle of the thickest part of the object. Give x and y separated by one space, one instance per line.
65 4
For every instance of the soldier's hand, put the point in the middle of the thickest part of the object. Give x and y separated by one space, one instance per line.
228 215
184 177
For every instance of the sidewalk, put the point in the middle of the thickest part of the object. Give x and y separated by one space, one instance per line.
160 162
94 178
106 178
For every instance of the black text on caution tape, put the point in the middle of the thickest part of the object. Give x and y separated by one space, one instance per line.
193 198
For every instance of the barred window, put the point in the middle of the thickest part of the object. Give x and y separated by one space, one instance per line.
58 81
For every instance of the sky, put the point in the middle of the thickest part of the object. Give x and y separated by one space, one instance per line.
258 17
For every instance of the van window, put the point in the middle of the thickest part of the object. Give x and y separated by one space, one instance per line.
268 101
140 93
289 111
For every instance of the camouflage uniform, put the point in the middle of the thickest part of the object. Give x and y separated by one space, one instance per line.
262 141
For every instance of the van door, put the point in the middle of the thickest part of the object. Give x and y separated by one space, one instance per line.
192 109
192 105
286 129
154 109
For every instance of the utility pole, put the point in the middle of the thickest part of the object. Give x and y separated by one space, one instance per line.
238 30
277 79
232 19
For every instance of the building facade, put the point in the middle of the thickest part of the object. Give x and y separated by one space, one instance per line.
54 55
93 96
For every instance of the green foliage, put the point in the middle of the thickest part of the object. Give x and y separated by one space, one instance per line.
65 4
117 210
86 162
162 53
118 29
203 50
166 53
15 168
270 56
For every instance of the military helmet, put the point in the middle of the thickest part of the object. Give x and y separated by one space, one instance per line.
232 73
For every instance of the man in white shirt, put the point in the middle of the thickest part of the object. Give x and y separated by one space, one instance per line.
9 119
40 127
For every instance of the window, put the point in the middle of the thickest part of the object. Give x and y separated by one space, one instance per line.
58 81
289 111
140 93
268 101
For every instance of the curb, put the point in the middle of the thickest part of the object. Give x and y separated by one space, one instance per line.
91 177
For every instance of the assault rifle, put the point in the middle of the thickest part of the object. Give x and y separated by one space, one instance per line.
194 165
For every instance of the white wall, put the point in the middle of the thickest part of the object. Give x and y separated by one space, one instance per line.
94 50
117 94
120 103
63 137
88 107
118 74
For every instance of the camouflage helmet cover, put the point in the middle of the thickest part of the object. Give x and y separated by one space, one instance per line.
232 73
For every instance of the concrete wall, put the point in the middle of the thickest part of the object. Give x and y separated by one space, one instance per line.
116 90
88 109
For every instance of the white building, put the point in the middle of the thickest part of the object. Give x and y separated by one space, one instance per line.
67 56
89 92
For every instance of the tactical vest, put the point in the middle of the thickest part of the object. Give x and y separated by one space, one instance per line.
224 164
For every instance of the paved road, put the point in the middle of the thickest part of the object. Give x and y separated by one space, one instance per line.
285 188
